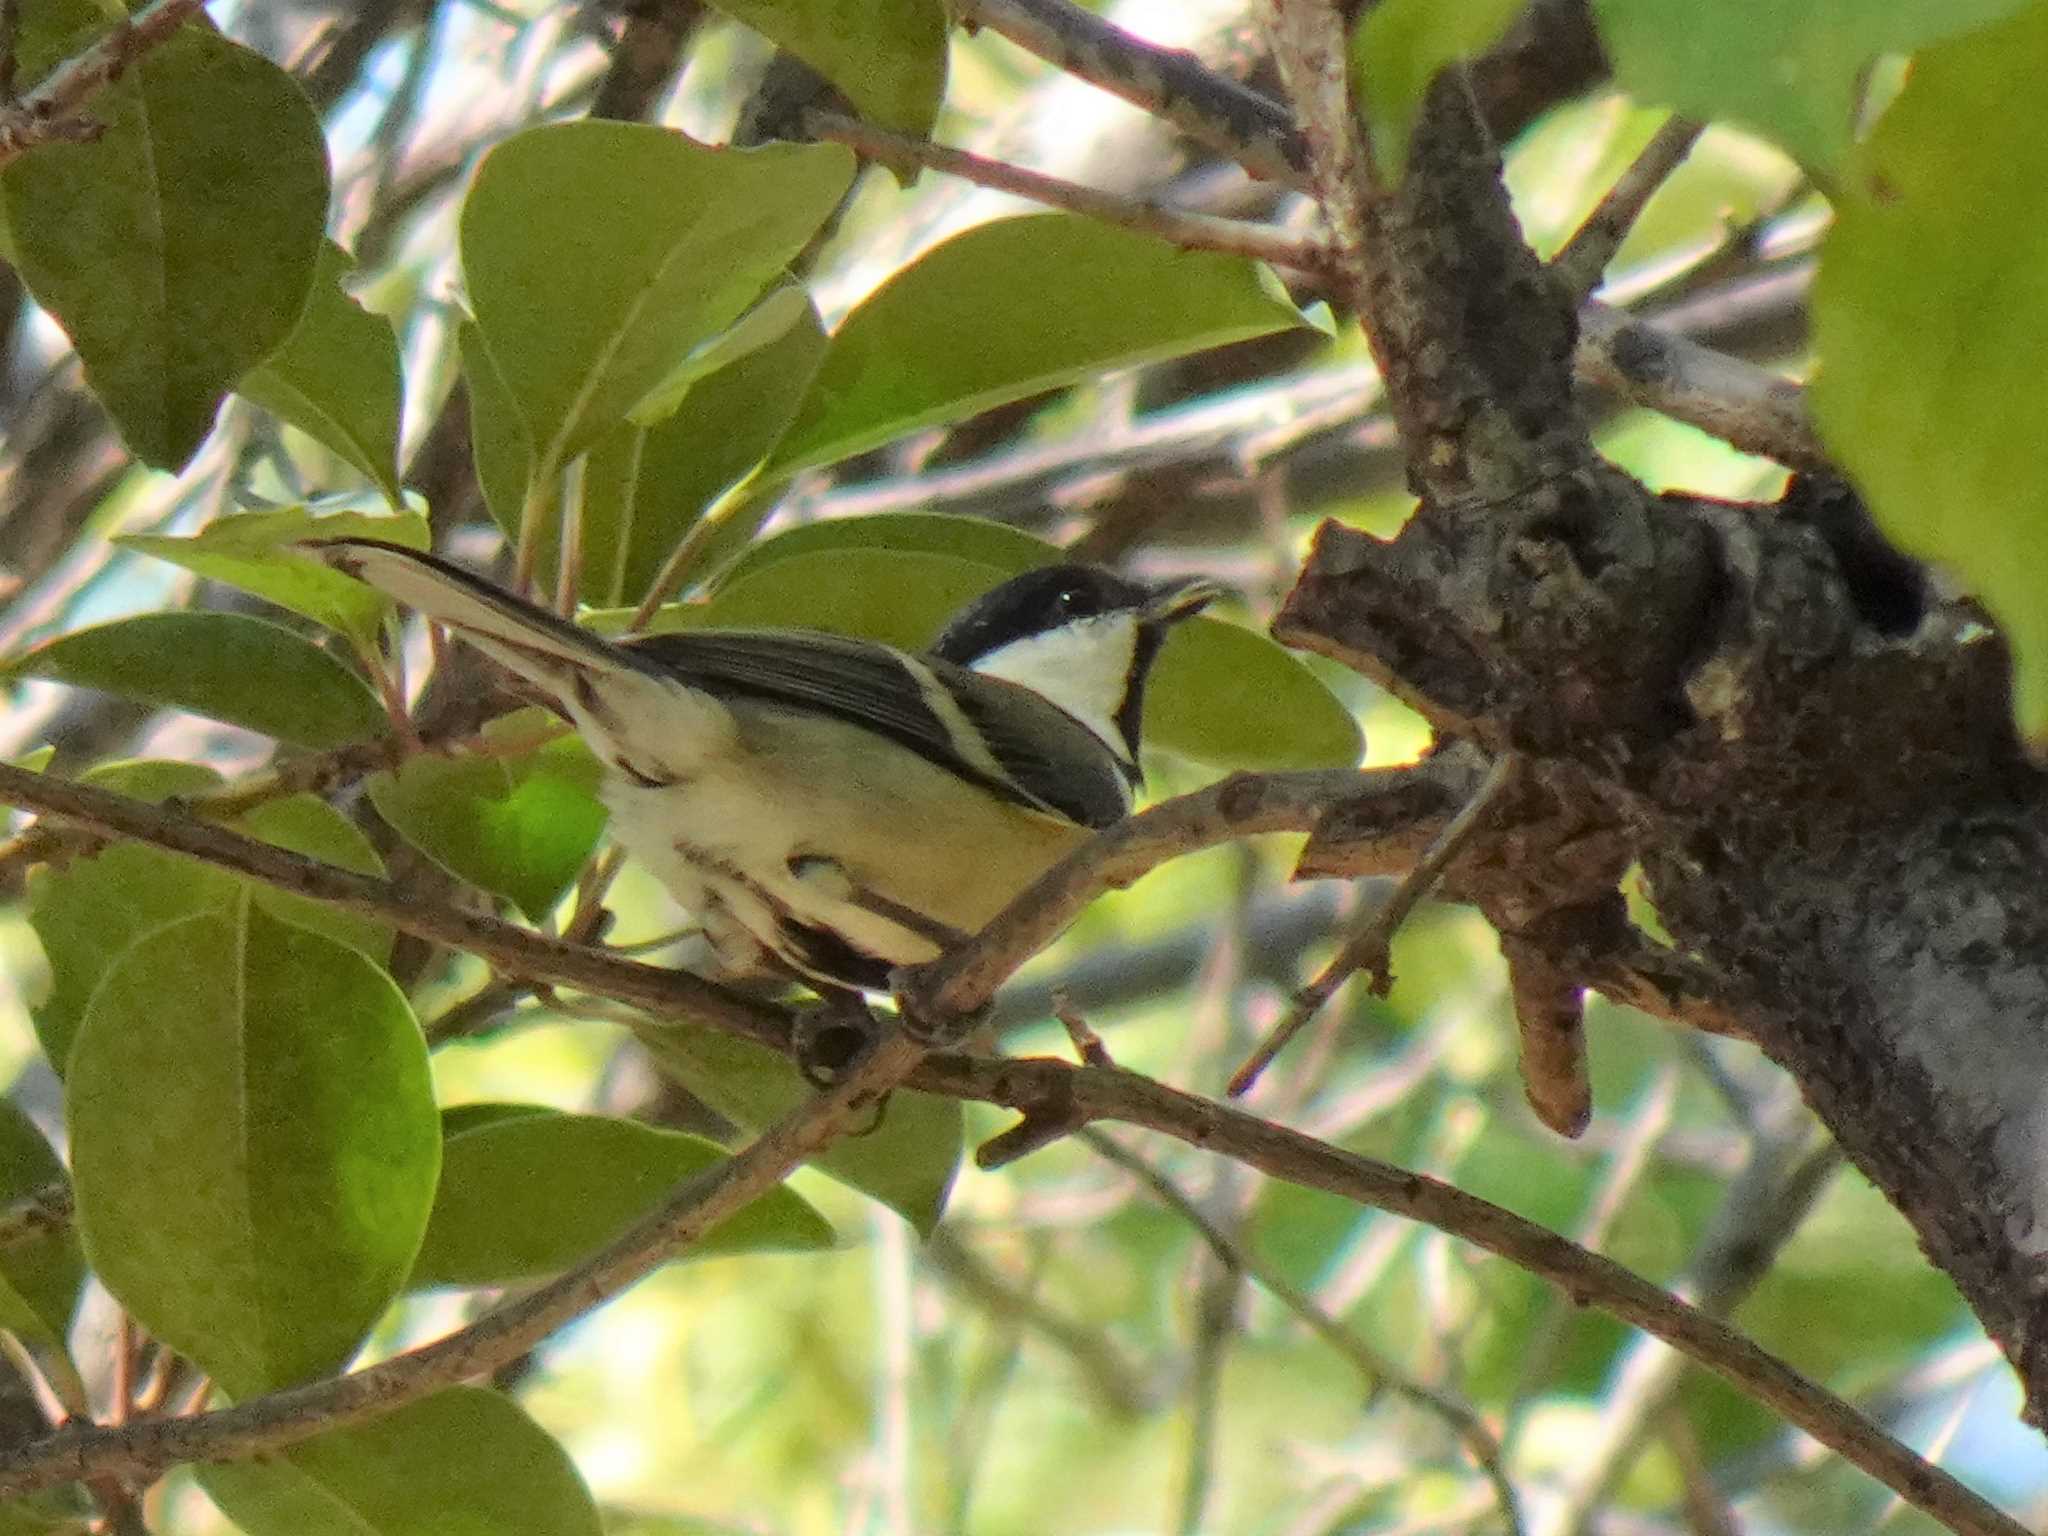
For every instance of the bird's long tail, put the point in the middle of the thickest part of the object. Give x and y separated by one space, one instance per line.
523 636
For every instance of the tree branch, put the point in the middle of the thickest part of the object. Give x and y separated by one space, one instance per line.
54 109
1238 123
1183 227
513 950
1110 1093
145 1449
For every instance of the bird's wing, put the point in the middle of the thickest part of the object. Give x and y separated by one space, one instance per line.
1004 737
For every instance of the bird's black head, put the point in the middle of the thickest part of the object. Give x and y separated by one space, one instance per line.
1082 636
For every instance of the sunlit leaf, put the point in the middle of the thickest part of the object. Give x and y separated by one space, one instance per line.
336 378
932 533
257 552
888 56
253 1141
525 1196
309 825
500 446
226 666
907 1161
40 1277
645 488
1931 314
588 300
1399 48
177 248
464 1462
1794 73
86 911
519 826
948 336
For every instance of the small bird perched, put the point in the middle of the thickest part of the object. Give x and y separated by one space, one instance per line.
832 808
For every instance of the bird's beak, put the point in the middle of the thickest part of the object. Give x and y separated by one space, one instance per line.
1177 600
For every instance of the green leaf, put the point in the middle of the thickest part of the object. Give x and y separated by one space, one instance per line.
500 443
895 596
888 56
526 1196
464 1462
39 1279
337 379
645 488
257 551
1222 694
907 1161
1793 73
520 827
948 337
588 301
997 545
178 248
253 1142
1400 47
1230 698
226 666
1931 315
782 307
87 911
309 825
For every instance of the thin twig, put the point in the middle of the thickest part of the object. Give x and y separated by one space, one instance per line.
1169 83
1471 1431
1099 1093
1370 947
1583 260
1183 227
1309 46
52 111
511 949
145 1449
1754 409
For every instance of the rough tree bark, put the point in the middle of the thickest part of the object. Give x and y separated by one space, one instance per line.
1807 751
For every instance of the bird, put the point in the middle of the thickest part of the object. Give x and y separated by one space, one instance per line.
832 809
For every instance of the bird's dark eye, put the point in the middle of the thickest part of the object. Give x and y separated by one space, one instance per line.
1068 598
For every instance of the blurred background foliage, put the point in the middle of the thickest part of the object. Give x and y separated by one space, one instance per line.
1069 1353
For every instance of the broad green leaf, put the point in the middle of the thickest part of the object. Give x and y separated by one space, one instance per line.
336 378
888 56
783 306
520 827
1794 73
253 1142
39 1279
1007 549
1228 697
464 1462
257 552
309 825
1399 48
967 327
895 596
86 911
907 1161
500 443
588 300
644 489
1222 694
178 248
226 666
526 1196
1931 315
